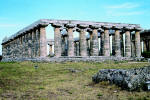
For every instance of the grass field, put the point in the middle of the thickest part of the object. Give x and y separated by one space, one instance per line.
56 81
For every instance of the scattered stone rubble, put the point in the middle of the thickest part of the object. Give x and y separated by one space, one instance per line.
130 79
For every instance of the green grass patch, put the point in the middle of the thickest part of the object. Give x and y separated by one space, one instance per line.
56 81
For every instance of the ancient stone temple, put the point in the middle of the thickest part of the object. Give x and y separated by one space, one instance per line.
31 41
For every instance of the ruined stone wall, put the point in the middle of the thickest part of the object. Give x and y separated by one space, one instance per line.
131 79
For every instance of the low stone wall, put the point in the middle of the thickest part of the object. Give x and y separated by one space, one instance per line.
70 59
131 79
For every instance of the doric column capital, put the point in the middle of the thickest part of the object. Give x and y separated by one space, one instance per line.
70 25
56 25
118 27
82 26
100 30
128 28
95 26
89 30
138 29
107 27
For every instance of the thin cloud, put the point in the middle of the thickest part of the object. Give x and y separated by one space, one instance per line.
119 14
127 5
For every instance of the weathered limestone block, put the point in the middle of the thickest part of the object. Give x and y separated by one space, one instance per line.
43 42
127 44
117 44
137 44
130 79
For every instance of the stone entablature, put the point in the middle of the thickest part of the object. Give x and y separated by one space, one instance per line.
31 41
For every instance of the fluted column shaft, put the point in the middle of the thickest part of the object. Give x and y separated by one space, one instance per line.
23 44
137 44
57 42
50 50
70 42
94 43
102 43
127 44
117 44
78 48
43 42
37 48
33 44
106 43
63 45
83 44
29 45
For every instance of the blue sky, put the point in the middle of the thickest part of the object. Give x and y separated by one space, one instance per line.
17 14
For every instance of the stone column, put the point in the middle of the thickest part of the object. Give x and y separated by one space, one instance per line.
122 44
43 42
50 49
57 39
75 48
78 48
132 48
88 47
29 45
82 40
70 39
137 43
23 44
117 42
33 44
127 43
89 30
26 45
113 44
94 42
37 43
102 43
106 41
144 45
63 45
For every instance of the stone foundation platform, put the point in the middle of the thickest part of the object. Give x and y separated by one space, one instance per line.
72 59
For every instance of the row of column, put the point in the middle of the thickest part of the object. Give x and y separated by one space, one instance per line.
81 50
28 45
